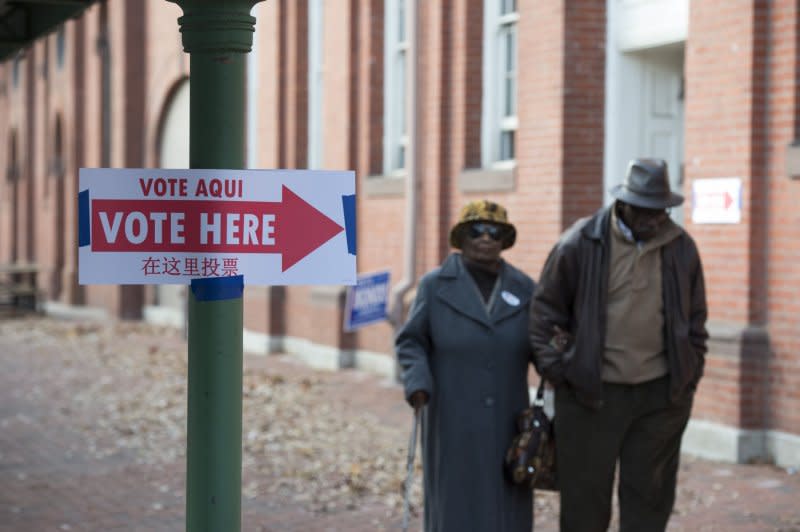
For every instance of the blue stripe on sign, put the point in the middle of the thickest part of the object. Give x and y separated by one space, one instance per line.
349 204
218 288
84 231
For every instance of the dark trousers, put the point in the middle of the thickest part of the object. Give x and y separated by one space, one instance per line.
637 426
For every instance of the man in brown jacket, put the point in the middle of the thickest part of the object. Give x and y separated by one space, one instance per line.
625 289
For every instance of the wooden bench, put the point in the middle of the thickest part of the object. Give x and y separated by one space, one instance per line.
18 287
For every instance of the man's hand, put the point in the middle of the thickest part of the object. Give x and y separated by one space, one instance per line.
560 339
418 400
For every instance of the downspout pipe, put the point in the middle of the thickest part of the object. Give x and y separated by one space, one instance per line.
412 175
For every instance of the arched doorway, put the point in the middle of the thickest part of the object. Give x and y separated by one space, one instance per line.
173 152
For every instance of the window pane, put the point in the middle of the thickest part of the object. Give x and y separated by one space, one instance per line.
401 20
506 145
508 6
509 107
15 72
498 135
400 94
60 46
400 163
509 51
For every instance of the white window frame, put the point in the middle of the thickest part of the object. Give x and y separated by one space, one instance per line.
395 90
494 121
315 84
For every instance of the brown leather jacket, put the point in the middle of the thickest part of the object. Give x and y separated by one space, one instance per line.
572 293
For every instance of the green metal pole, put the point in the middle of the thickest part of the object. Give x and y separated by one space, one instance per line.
214 447
217 35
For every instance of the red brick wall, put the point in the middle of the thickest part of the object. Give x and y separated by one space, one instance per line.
780 288
53 134
719 141
445 76
43 213
74 105
262 304
6 147
723 106
99 144
11 106
29 175
338 119
434 109
741 113
41 245
584 99
560 159
540 154
472 76
741 69
293 76
165 67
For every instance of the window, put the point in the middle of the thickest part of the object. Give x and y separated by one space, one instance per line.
315 83
15 71
60 46
45 66
499 115
395 141
12 172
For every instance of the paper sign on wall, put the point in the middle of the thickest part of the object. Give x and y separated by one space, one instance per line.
717 201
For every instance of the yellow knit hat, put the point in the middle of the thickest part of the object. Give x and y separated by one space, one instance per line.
483 211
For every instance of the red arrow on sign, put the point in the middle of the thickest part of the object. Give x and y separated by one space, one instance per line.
728 200
301 229
291 227
715 200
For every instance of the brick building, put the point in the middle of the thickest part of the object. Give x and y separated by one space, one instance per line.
538 105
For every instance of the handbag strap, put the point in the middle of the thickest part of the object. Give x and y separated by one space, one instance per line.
539 399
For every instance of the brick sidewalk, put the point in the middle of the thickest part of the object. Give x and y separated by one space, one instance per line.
50 479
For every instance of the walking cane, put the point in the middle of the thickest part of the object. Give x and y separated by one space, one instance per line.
412 451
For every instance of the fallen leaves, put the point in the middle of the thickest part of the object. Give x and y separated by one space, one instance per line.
123 385
296 442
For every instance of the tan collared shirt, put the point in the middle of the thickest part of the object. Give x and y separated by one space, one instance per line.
634 348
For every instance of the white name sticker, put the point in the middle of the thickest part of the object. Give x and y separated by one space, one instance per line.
510 298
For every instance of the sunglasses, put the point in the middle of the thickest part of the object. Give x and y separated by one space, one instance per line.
654 215
478 230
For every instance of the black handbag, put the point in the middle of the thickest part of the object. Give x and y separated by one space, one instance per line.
531 458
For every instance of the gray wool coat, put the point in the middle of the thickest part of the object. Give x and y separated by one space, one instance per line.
473 363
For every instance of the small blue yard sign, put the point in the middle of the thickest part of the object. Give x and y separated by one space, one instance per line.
367 300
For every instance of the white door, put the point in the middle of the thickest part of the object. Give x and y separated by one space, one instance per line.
662 112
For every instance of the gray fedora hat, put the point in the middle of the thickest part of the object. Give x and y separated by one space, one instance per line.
647 185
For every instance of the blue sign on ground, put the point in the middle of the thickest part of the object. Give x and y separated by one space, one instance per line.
367 301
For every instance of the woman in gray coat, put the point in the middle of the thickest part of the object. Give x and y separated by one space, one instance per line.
464 352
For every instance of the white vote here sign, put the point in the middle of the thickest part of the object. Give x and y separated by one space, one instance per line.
161 226
717 201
